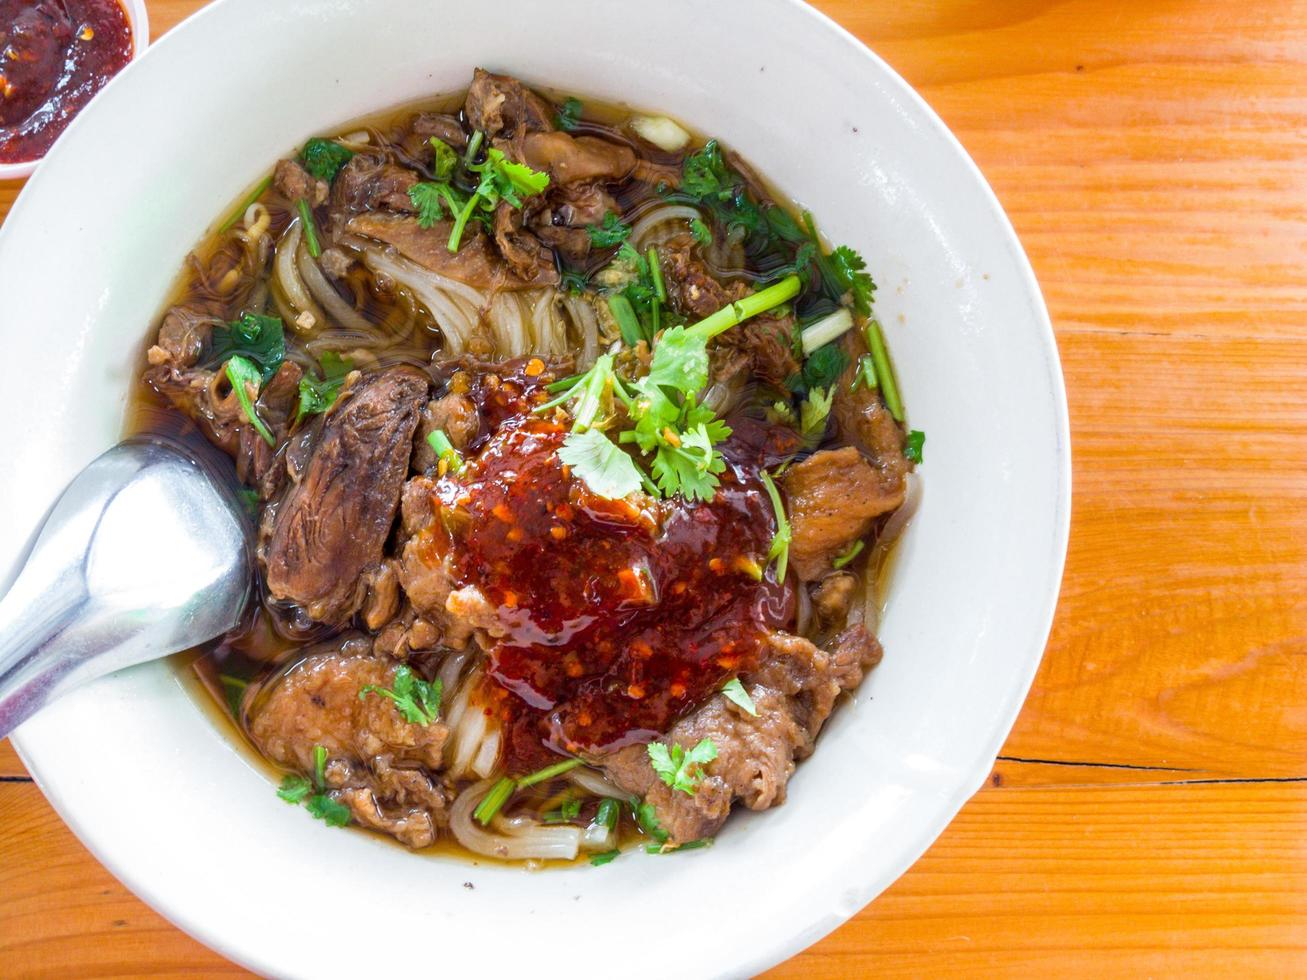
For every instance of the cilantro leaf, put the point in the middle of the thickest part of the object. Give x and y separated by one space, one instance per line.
734 691
609 232
824 366
244 376
847 267
258 338
324 158
687 464
501 180
813 414
594 458
680 362
679 769
444 160
415 699
912 447
569 113
294 788
323 807
318 396
701 232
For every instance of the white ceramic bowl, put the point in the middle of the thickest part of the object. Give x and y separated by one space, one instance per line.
139 20
174 810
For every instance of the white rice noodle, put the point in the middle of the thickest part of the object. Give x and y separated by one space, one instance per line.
890 533
721 396
291 295
474 738
803 618
450 670
597 837
593 781
336 308
659 218
547 323
256 223
513 839
487 757
455 306
507 327
585 325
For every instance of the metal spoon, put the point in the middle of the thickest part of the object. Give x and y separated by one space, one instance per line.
145 553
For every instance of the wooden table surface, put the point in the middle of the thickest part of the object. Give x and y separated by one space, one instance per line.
1148 814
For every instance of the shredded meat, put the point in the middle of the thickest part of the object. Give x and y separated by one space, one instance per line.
379 763
370 182
832 598
443 127
529 258
504 108
793 690
476 262
295 183
834 498
456 416
332 526
691 289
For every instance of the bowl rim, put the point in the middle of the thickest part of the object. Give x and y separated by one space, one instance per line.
1042 607
138 19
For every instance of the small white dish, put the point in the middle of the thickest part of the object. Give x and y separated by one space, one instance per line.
138 19
165 800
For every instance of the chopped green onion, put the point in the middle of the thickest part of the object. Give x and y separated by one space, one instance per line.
889 389
753 304
599 860
445 451
826 329
691 845
549 772
310 229
622 311
656 274
473 145
849 555
865 374
244 206
780 543
608 813
493 801
320 766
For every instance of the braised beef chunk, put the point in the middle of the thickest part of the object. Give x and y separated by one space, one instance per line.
443 127
691 288
297 184
370 182
862 419
456 416
378 763
502 107
834 498
476 262
529 258
793 690
575 159
331 528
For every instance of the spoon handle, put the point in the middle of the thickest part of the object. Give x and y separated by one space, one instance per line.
32 661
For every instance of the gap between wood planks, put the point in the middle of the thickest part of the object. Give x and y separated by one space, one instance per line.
1203 781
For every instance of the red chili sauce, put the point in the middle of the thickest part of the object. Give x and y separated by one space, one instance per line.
620 617
54 56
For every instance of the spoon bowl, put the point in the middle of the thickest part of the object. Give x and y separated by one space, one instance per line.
147 552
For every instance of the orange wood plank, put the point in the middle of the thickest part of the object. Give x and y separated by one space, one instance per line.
10 766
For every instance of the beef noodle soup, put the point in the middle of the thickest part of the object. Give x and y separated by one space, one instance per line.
572 453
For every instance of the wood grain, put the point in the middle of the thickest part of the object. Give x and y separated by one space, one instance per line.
1148 815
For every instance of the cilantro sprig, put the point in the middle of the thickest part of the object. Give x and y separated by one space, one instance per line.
246 382
316 396
258 338
415 699
501 179
680 769
780 542
297 789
